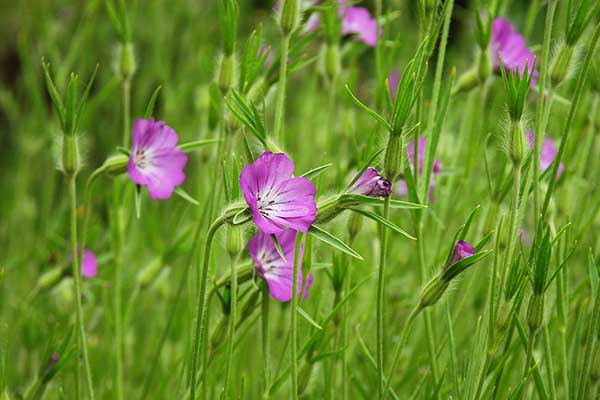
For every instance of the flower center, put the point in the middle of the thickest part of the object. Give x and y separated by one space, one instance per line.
265 203
139 158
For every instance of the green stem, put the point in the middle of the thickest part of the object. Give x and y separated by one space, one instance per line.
82 343
589 348
429 332
540 126
562 331
529 358
266 337
231 330
400 345
514 212
281 87
345 323
198 337
116 221
380 302
294 319
549 362
126 87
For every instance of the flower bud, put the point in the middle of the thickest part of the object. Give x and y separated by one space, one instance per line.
433 291
234 241
328 210
467 81
332 60
115 164
560 65
289 16
535 312
127 64
392 164
70 155
50 278
148 275
371 184
226 73
516 142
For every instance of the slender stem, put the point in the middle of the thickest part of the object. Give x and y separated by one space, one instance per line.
294 319
549 362
82 343
231 330
429 332
380 302
126 88
201 311
345 322
514 212
529 358
118 287
562 331
281 87
266 337
380 87
540 125
400 345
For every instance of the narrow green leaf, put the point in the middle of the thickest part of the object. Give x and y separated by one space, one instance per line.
307 317
150 107
191 146
369 111
385 222
84 98
278 247
184 195
242 217
54 95
313 173
333 241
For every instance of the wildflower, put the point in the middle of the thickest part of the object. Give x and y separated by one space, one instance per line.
434 290
155 160
507 44
277 272
89 264
401 188
371 184
547 153
277 199
358 21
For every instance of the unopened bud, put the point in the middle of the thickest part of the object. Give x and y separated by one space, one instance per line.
560 65
433 291
392 163
50 278
148 275
115 164
535 312
289 17
258 90
234 241
467 81
127 65
332 60
70 155
226 73
354 224
516 142
328 210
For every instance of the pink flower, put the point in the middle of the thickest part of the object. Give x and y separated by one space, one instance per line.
393 82
277 199
358 21
89 264
511 46
547 153
155 160
462 250
275 270
371 184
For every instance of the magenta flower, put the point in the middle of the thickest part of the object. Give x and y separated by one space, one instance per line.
511 46
371 184
401 188
547 153
89 264
277 199
358 21
393 82
462 250
155 160
273 269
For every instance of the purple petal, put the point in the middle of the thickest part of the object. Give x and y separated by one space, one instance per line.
358 20
371 184
511 46
89 263
462 250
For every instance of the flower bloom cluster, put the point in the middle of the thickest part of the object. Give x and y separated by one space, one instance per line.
281 205
401 188
509 45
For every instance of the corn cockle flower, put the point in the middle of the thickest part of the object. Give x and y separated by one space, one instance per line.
547 154
507 44
401 188
277 272
155 161
462 250
277 199
358 21
89 263
371 184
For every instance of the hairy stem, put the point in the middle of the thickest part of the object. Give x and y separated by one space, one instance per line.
281 87
294 319
380 302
